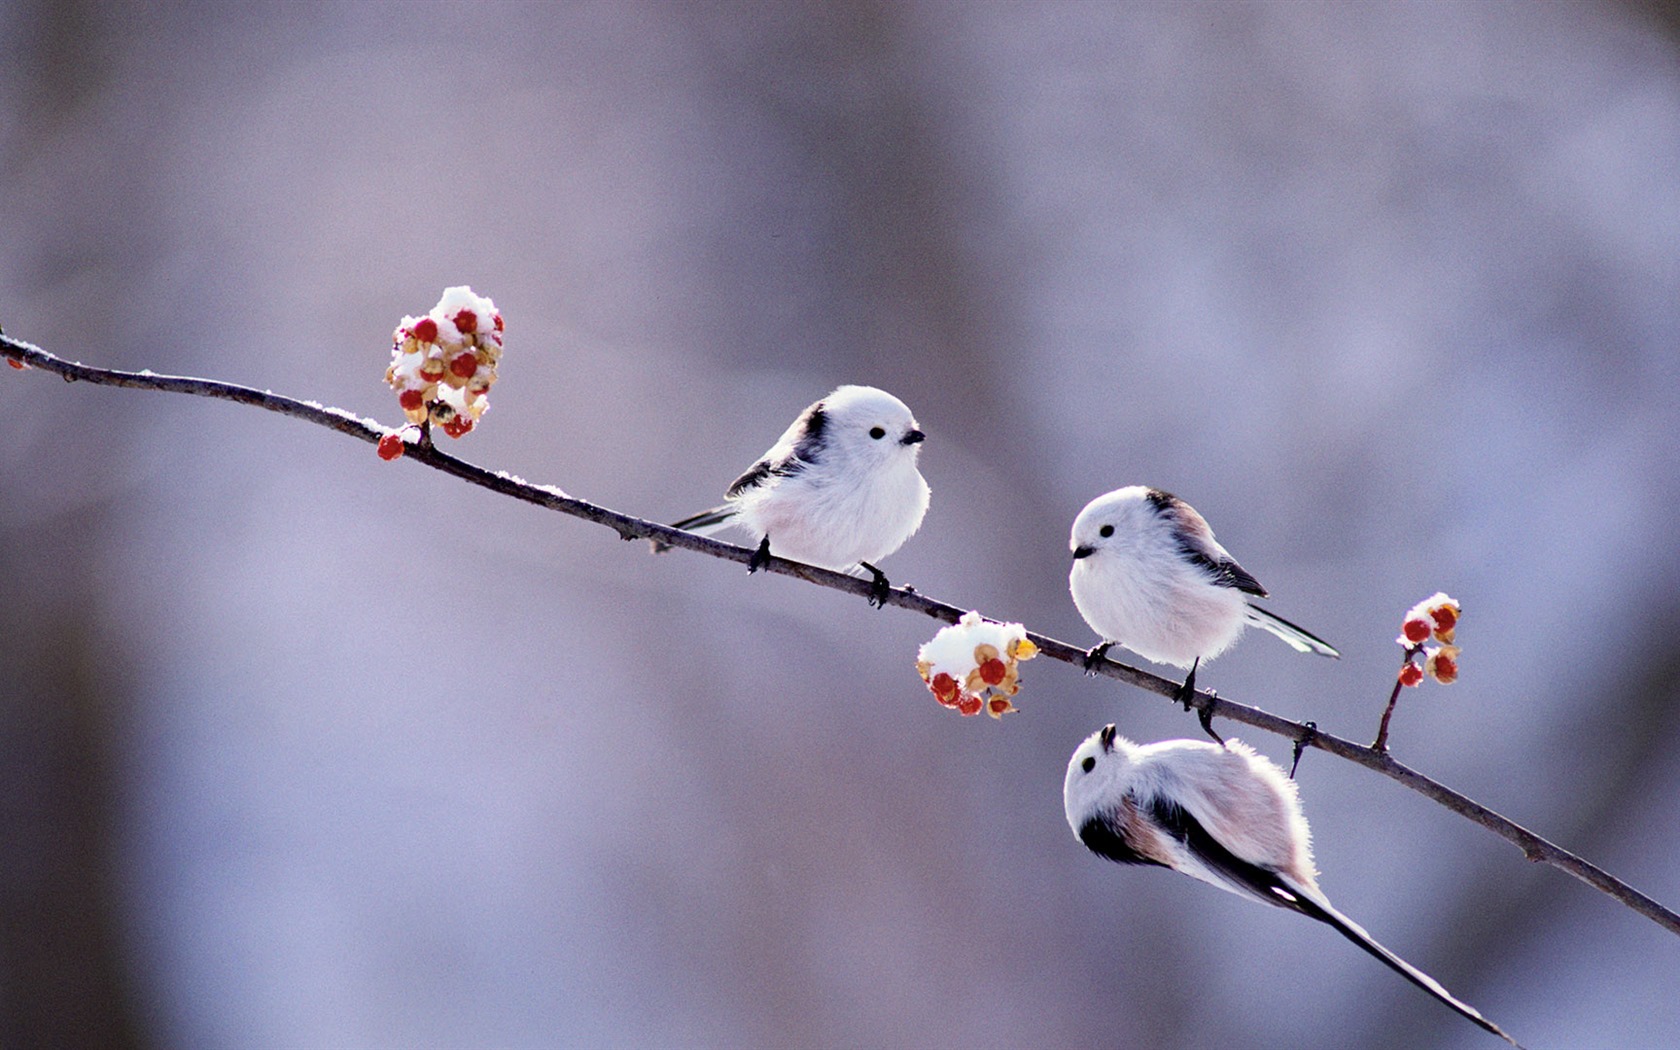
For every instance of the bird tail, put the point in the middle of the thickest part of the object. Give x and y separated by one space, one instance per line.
705 522
1320 909
1299 639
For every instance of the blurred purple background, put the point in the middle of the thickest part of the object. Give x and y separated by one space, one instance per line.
302 749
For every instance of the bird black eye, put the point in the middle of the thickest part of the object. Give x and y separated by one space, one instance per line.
877 433
1106 531
1089 764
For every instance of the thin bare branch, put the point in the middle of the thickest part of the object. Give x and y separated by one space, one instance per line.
1533 846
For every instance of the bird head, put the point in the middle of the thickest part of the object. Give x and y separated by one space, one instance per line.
869 426
1113 519
1094 776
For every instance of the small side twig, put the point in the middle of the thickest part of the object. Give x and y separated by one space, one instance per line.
1381 743
1373 758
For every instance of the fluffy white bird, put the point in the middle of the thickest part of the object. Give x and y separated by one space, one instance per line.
1221 814
1147 574
839 489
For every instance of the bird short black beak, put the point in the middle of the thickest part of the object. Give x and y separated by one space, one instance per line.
1106 736
1083 552
915 437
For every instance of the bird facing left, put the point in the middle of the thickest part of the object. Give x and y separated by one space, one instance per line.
1224 815
839 489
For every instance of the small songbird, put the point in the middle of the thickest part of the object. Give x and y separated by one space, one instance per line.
1147 574
1221 814
839 489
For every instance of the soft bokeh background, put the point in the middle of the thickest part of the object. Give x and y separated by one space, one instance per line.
302 749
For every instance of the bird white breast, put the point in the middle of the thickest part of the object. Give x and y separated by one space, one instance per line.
1156 604
813 517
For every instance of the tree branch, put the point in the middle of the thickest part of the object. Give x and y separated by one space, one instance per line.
1533 846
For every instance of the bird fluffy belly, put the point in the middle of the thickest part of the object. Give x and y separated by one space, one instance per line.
1164 623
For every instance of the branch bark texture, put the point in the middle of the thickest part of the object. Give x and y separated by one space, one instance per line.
1533 846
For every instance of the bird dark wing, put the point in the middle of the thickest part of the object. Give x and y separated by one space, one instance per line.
755 476
1197 545
1119 835
1268 886
800 446
1251 880
1225 571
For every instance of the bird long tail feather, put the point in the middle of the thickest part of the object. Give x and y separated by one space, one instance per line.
705 522
1299 638
1354 932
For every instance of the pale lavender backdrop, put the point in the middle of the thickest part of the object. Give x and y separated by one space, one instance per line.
302 749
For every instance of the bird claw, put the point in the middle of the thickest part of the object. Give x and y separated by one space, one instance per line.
1205 717
1096 656
879 586
1301 745
1186 695
760 557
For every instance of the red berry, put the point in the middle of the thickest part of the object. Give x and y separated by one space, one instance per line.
968 705
1443 668
999 705
944 689
425 330
497 320
15 363
390 446
464 365
411 399
1445 617
458 426
1411 674
992 671
1416 630
467 322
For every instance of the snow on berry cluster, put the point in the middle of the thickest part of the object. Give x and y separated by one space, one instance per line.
974 664
443 364
1433 619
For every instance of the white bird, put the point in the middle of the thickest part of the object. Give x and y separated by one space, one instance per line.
1147 574
1221 814
839 489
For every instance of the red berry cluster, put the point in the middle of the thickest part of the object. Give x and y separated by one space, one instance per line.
443 364
1435 618
974 665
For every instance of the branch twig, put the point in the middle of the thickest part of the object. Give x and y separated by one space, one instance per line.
1533 846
